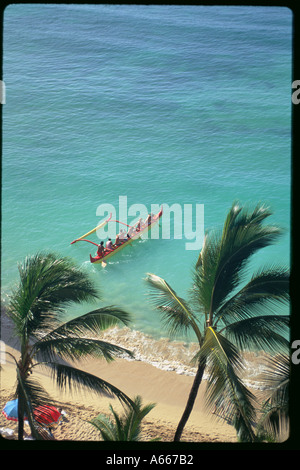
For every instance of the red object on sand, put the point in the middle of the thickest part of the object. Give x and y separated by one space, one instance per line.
47 415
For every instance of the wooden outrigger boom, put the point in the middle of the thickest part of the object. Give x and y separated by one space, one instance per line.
92 231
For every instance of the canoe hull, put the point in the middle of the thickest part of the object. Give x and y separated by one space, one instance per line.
100 259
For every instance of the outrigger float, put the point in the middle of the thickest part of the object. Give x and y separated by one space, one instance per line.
116 248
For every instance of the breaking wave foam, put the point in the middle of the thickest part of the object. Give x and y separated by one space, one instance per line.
177 356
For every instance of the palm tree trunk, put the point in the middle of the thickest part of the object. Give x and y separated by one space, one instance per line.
190 402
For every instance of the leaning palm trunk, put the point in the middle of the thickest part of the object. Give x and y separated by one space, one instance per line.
190 402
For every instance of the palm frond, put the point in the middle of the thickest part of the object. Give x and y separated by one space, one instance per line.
133 418
261 332
206 271
105 426
226 253
67 340
176 314
199 260
119 426
73 379
216 343
224 385
126 427
76 348
267 289
47 285
276 374
30 395
93 322
275 410
35 393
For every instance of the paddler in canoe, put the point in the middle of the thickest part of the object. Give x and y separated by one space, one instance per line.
130 232
118 240
122 236
100 250
109 245
139 225
149 219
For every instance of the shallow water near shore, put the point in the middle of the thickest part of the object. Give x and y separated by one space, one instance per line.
161 104
178 356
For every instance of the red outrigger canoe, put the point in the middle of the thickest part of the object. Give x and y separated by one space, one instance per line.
137 234
117 248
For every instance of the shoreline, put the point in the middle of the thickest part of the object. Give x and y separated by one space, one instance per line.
177 355
168 389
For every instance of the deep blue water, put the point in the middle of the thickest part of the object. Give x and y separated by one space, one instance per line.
161 104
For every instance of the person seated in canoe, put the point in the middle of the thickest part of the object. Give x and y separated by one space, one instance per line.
148 220
117 241
109 245
122 236
130 232
139 225
100 250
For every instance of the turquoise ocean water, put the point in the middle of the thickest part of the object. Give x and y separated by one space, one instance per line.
161 104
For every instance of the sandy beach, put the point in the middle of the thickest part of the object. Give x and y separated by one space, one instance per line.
168 389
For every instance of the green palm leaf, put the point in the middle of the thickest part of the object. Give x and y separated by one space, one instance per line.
47 285
133 418
263 332
94 322
73 379
267 289
105 426
73 349
67 340
224 384
35 393
126 427
175 311
225 254
275 410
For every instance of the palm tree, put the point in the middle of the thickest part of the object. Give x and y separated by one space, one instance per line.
47 286
275 410
126 427
227 316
